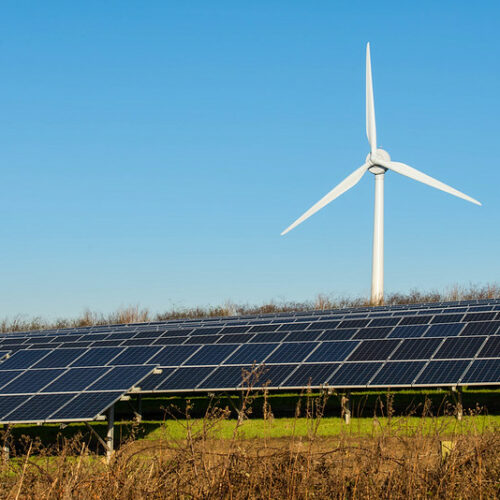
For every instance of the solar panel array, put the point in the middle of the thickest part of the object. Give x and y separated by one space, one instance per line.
74 374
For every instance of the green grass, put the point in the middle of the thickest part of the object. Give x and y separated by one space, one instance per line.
329 426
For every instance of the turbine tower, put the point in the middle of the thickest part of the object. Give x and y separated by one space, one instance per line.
377 162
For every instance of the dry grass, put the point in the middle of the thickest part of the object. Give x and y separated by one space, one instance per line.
200 466
135 314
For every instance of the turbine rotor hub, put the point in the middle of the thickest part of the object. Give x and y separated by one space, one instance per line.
374 158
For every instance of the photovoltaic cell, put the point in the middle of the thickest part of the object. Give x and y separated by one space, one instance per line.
268 337
442 372
408 331
447 318
169 340
345 334
211 354
444 330
76 379
491 349
227 377
291 353
98 356
459 347
154 380
86 406
331 351
311 374
484 316
372 333
59 358
482 328
264 328
416 349
273 375
483 371
396 373
370 350
174 355
31 381
184 379
7 376
23 359
122 378
250 353
354 323
202 339
10 403
306 336
416 320
135 355
354 374
384 322
38 407
234 338
327 325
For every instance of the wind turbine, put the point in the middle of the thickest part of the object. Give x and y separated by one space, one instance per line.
377 162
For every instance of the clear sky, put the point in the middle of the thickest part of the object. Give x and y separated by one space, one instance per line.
152 152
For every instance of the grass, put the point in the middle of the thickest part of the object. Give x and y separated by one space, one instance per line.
329 427
305 457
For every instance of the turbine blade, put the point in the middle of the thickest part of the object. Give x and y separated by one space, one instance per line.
347 183
416 175
371 131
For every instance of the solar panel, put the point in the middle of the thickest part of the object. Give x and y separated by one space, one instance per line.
23 359
345 334
483 371
331 351
174 355
416 349
374 349
121 378
354 374
98 356
273 375
372 333
422 344
211 354
250 353
491 349
85 406
76 379
442 373
459 347
227 377
10 403
313 374
38 408
291 353
401 332
444 330
394 373
31 381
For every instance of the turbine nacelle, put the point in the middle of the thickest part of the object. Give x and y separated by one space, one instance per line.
373 160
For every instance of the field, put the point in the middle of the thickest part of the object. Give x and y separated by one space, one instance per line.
311 455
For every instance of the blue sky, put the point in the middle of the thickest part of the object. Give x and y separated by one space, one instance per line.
152 152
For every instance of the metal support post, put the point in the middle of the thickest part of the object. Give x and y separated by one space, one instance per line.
5 445
345 402
460 406
138 413
110 434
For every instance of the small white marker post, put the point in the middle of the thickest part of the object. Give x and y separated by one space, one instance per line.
110 434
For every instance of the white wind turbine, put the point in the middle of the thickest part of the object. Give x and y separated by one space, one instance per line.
377 162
